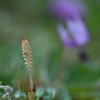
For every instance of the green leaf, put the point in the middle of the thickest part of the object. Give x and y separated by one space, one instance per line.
50 97
40 91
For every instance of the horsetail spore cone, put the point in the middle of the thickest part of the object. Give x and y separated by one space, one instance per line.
27 54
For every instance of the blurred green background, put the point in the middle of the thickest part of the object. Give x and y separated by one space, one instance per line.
59 67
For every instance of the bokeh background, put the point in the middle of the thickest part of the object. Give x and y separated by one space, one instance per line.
59 67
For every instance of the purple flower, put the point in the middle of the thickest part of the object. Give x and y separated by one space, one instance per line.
70 11
78 31
64 35
63 9
77 34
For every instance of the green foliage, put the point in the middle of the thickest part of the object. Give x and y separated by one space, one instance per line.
53 64
50 97
38 97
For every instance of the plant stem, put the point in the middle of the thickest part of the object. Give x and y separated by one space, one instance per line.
31 93
30 79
